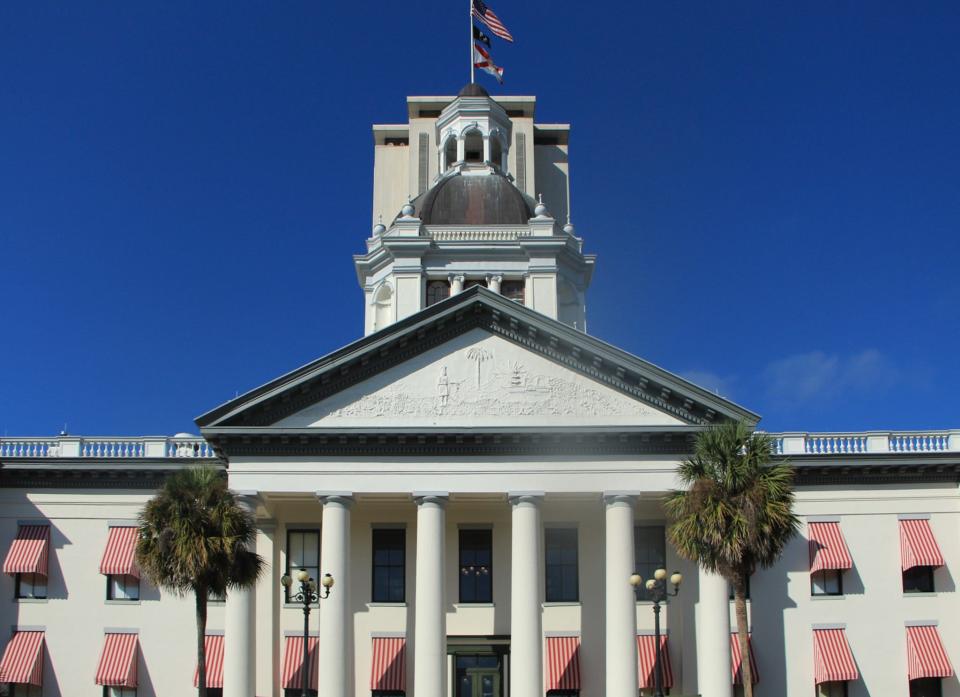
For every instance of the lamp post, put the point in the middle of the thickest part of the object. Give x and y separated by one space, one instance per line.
306 595
658 592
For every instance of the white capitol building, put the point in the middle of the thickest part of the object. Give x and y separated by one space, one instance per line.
481 476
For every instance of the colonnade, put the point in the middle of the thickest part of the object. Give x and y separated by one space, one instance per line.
526 588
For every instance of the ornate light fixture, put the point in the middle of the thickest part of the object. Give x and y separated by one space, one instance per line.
307 595
658 592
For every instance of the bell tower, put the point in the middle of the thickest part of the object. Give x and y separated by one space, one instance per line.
471 191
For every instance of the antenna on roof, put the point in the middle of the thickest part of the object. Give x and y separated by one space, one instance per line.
63 431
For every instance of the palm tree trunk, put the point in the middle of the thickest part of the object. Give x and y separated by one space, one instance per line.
740 607
201 598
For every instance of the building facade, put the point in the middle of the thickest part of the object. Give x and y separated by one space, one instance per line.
481 477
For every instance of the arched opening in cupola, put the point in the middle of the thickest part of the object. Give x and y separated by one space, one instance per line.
496 151
449 153
473 147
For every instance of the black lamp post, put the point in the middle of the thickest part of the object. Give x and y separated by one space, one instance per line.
306 595
658 592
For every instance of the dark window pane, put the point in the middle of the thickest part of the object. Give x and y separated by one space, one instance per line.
476 570
303 552
561 564
437 291
389 565
649 550
919 579
925 687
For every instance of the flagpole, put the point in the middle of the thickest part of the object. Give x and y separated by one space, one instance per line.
470 22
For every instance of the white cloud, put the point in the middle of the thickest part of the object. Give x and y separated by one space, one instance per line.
818 375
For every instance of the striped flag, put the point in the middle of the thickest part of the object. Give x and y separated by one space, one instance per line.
482 60
488 17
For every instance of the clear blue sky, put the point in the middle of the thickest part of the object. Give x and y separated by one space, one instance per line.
773 190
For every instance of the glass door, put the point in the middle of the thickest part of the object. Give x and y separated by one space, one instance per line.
478 675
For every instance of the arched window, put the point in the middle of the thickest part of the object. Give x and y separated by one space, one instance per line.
383 307
473 147
450 152
437 291
496 151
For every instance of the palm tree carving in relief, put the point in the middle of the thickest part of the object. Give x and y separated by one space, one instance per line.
479 355
195 538
735 514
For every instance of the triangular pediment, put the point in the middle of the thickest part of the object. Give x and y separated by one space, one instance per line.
474 360
478 380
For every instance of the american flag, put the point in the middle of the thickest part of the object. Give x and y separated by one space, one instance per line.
488 17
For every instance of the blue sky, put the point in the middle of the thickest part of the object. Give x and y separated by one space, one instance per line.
773 190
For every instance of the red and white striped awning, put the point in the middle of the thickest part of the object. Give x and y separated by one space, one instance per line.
647 660
29 551
118 662
120 555
926 657
828 550
832 658
563 663
292 678
213 647
918 547
22 660
736 661
388 670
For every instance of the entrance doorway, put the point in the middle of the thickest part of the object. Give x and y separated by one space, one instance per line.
478 675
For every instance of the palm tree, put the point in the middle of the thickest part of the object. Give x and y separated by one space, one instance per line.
735 514
194 537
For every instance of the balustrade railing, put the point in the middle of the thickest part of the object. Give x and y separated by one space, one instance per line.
107 448
867 442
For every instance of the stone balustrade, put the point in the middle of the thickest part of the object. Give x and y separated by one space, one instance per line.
107 448
866 442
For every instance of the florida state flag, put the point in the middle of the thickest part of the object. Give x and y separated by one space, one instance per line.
482 60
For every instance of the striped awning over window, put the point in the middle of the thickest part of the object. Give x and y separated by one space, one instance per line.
291 677
22 660
119 557
118 662
213 647
828 550
29 551
388 669
647 659
563 663
918 547
736 661
832 658
926 657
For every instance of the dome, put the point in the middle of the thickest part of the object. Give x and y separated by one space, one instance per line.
488 199
473 90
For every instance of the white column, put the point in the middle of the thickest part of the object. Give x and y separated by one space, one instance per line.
336 641
430 627
713 637
526 624
456 283
239 650
493 282
621 613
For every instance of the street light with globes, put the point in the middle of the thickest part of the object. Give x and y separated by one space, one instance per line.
307 595
658 592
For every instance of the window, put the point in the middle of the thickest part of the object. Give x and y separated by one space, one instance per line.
561 565
386 693
563 693
832 689
437 291
512 290
389 555
471 282
649 553
123 587
473 147
31 586
919 579
925 687
216 692
291 692
24 690
122 692
303 552
826 582
496 152
476 566
214 597
450 152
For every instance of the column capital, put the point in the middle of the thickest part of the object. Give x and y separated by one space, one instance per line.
248 499
440 498
517 497
628 497
344 498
